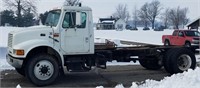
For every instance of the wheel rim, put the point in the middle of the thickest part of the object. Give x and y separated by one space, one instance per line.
43 70
184 62
187 44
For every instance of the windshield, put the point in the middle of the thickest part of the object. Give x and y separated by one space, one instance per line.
192 33
53 18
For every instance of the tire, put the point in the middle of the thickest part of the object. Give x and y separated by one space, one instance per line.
20 71
187 44
167 43
180 60
166 59
42 70
150 63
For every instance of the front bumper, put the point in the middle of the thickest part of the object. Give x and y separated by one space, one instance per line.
15 62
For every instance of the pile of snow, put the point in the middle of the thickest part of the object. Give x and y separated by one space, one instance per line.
189 79
18 86
4 65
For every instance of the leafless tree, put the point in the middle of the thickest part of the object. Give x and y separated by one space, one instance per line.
153 11
19 6
184 19
178 16
72 2
143 14
122 12
135 16
149 11
165 17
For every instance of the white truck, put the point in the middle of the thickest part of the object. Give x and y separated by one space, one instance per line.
67 42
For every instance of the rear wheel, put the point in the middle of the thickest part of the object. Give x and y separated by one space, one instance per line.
42 70
181 60
150 63
166 59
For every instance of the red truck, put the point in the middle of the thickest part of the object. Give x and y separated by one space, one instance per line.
182 38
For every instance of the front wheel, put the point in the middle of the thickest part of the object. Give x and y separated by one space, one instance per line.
167 43
187 44
42 70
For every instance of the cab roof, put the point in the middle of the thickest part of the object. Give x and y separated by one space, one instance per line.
77 8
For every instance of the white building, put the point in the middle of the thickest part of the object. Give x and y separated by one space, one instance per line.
120 25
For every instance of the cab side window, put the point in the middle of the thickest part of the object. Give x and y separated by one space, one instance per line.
180 34
70 20
65 23
83 20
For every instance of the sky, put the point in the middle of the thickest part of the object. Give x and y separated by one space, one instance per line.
105 8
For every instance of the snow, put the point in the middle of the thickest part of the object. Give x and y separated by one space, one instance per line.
189 79
99 87
150 37
4 65
119 86
18 86
134 85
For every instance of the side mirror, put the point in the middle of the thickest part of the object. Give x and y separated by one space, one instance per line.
78 18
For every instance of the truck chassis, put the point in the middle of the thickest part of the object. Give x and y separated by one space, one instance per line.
175 59
44 67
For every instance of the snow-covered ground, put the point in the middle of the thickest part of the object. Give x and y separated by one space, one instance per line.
190 79
150 37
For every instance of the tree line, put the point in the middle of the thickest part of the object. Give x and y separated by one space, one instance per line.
149 12
19 13
24 14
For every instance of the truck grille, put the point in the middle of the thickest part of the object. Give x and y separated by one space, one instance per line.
10 38
196 38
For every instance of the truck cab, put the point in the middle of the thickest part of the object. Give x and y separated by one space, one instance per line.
72 27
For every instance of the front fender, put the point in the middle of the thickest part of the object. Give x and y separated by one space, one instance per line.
27 46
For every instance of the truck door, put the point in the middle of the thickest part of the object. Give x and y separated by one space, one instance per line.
174 38
180 39
75 38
